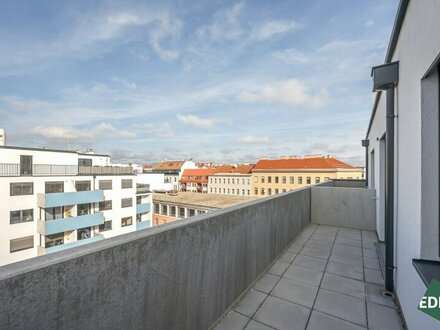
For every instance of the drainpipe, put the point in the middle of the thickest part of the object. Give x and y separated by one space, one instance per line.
366 143
386 78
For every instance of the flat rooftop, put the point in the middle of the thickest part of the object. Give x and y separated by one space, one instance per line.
215 201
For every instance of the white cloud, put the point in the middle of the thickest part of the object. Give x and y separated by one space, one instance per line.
195 121
166 27
251 139
272 28
292 56
290 92
71 133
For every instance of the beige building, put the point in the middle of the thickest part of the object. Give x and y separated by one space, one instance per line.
274 176
237 181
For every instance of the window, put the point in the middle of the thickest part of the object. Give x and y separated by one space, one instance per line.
53 240
83 209
284 181
326 178
54 187
249 192
126 202
248 181
269 179
21 216
229 181
300 180
317 179
292 180
233 191
21 188
156 208
262 179
83 233
224 191
127 221
84 162
256 179
242 192
173 211
82 185
228 191
238 191
22 243
53 213
242 181
25 165
105 184
192 212
284 190
107 225
308 180
215 180
181 212
224 181
233 181
211 190
105 205
262 191
256 191
269 191
276 179
126 183
276 191
164 209
215 190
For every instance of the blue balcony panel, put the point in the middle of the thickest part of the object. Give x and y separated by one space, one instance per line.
61 225
70 198
73 244
142 208
143 225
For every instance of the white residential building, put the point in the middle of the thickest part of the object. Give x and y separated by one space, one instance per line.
51 200
173 171
403 156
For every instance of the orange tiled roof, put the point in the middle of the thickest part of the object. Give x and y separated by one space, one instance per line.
301 163
171 165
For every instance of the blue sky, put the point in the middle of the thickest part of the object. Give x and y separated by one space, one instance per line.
211 80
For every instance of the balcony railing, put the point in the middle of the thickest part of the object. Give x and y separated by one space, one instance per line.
55 170
180 275
142 188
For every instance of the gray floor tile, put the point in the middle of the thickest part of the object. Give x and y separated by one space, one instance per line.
351 236
319 244
322 253
347 249
310 262
295 248
254 325
266 282
323 237
303 275
281 314
320 321
278 268
344 285
233 321
346 270
371 263
369 253
382 317
250 302
368 245
295 292
373 276
287 257
369 236
349 242
374 295
300 241
346 258
342 306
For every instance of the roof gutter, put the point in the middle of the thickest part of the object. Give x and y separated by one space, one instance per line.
401 12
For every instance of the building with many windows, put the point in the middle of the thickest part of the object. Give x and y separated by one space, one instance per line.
53 200
173 171
274 176
196 180
234 181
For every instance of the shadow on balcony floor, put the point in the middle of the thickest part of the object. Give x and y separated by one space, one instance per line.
329 278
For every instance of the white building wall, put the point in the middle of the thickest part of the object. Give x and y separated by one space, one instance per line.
416 50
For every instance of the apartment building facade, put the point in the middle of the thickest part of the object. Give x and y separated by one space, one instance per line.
195 180
402 144
235 181
173 171
274 176
52 200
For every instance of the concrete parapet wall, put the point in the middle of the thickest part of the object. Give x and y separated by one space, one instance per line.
181 275
346 207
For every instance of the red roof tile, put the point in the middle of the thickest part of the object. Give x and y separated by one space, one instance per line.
301 163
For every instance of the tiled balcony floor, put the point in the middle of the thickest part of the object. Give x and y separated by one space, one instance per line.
329 278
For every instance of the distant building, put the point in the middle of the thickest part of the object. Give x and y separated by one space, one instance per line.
171 207
195 180
231 181
173 171
274 176
52 200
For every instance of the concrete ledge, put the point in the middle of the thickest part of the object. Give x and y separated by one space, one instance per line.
181 275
